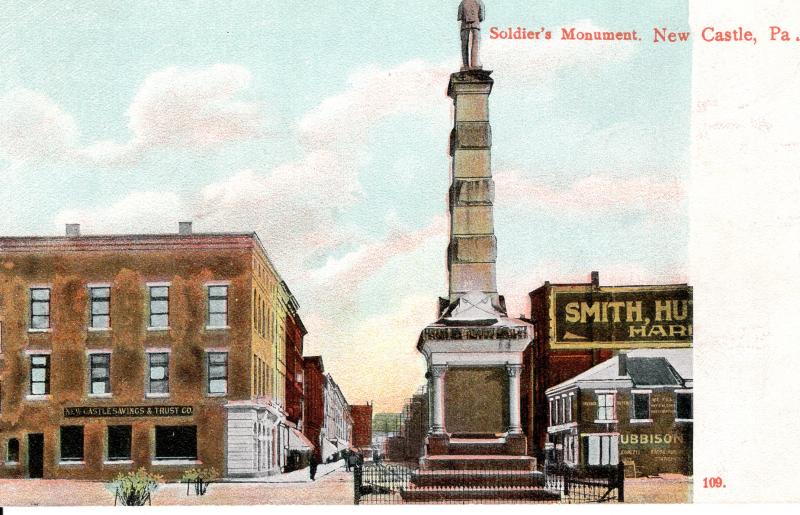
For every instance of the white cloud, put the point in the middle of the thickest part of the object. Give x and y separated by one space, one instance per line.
34 128
194 108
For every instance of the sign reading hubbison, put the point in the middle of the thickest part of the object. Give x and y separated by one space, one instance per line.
621 316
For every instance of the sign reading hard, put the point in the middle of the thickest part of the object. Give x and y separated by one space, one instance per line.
621 316
129 411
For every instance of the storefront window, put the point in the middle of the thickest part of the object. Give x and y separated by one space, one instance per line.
603 449
176 442
119 443
71 443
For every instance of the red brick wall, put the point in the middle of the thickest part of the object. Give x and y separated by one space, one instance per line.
314 416
362 425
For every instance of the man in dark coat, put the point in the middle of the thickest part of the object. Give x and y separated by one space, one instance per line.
312 466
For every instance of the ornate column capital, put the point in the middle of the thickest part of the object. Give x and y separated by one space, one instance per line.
438 370
513 370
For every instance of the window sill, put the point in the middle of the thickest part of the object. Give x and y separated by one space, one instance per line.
685 420
99 329
100 395
118 462
641 421
11 463
217 394
167 463
158 328
31 397
71 463
156 396
606 421
217 327
48 330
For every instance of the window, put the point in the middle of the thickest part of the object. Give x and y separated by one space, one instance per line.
217 306
641 406
40 308
40 374
176 442
159 372
12 453
71 443
605 406
99 374
683 406
218 372
602 449
119 443
101 301
563 409
569 407
159 306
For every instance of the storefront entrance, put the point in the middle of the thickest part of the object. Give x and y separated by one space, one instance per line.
36 455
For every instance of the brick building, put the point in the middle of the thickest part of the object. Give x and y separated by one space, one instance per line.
635 408
362 426
314 401
580 325
159 351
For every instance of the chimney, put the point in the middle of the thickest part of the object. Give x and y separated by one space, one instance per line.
595 279
73 229
622 359
185 228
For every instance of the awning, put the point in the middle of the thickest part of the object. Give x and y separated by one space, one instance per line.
298 441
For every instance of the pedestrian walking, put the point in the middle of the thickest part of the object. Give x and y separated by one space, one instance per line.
312 466
352 460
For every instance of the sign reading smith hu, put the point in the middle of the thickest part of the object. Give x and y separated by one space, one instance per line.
621 316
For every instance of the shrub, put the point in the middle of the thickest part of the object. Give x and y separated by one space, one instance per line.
135 488
201 477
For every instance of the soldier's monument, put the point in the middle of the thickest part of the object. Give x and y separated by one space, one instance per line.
474 350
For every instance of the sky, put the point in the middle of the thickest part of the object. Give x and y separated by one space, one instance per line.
323 126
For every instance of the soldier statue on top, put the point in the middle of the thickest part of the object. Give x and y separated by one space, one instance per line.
470 14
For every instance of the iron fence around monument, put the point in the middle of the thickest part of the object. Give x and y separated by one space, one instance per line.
404 483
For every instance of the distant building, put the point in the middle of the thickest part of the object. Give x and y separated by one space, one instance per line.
635 408
384 426
314 402
160 351
579 325
338 428
362 426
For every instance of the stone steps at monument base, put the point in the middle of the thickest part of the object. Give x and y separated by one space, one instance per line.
477 462
477 478
478 447
467 494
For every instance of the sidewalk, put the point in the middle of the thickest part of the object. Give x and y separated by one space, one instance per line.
296 476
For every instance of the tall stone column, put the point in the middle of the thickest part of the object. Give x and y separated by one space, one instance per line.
437 398
472 251
514 425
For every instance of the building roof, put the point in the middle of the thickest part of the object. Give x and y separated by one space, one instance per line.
645 367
